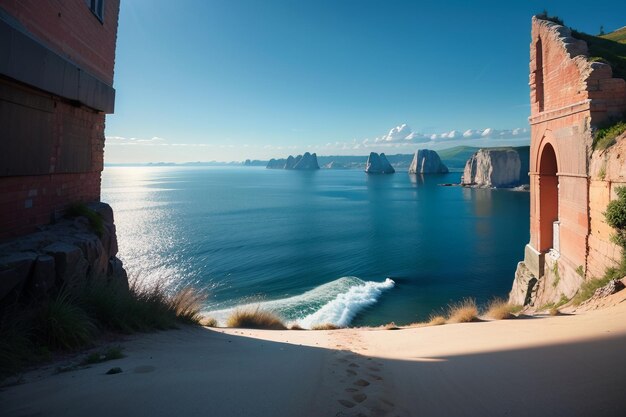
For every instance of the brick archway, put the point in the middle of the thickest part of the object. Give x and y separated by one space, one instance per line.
548 197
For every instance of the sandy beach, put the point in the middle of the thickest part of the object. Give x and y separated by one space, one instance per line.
545 366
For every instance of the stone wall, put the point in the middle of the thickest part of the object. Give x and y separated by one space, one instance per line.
69 253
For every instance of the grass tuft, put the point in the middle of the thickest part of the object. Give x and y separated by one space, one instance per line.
94 218
255 319
606 137
436 321
208 322
295 326
464 311
499 309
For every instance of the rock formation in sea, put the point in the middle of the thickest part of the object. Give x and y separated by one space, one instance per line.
492 168
426 161
378 164
306 162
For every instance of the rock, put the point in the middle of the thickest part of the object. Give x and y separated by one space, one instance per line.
15 270
611 288
43 278
116 273
426 161
492 168
71 266
524 287
276 164
113 371
378 164
304 162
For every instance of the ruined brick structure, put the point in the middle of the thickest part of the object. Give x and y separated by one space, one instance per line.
56 77
570 96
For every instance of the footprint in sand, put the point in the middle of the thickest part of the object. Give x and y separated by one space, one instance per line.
362 383
359 397
353 365
373 368
346 403
351 390
350 372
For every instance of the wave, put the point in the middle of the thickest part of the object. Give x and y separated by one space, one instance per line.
336 302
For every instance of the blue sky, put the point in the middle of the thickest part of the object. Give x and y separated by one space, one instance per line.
234 79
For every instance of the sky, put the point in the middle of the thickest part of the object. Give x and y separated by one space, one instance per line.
229 80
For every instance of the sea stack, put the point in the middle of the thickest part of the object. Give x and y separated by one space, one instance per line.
426 161
378 164
492 168
306 162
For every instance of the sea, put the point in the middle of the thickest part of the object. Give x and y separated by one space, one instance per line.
327 246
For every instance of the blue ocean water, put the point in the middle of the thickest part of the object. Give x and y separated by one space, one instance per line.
329 245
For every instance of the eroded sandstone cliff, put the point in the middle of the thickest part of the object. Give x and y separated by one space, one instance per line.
426 161
492 168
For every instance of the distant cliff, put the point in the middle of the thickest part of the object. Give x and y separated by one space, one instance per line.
306 162
426 161
492 168
378 164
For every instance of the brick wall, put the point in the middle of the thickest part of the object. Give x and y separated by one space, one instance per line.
569 97
72 30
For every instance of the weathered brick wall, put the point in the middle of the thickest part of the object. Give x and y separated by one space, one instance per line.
607 172
69 164
69 28
570 96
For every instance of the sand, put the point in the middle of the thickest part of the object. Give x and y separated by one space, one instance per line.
550 366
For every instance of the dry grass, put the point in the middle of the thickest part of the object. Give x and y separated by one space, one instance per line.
187 303
436 321
499 309
554 311
255 319
325 326
295 326
464 311
390 326
208 322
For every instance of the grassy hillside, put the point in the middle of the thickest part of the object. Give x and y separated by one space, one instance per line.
609 48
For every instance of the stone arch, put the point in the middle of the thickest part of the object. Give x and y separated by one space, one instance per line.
548 197
539 93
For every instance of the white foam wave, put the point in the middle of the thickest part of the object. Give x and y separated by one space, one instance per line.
341 310
336 302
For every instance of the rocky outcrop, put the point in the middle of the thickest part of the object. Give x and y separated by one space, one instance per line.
426 161
69 253
492 168
378 164
306 162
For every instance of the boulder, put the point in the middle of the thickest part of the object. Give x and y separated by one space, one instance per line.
43 277
15 270
426 161
492 168
378 164
306 162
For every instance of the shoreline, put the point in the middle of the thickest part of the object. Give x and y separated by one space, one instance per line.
567 364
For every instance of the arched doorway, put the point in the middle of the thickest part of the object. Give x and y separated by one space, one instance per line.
548 199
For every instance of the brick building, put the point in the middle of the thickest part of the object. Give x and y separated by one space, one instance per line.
570 96
56 86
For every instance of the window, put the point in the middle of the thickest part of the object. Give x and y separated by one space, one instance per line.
97 8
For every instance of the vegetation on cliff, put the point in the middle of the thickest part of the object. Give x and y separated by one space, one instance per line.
615 216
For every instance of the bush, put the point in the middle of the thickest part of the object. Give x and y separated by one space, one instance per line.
436 321
81 210
464 311
255 319
499 309
554 19
606 137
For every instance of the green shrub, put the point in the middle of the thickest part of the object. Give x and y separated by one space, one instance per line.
554 19
606 137
81 210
